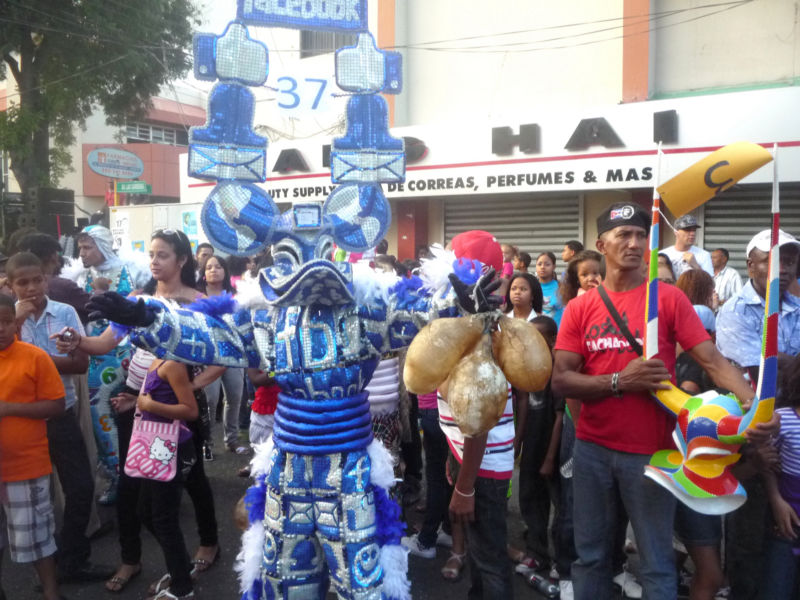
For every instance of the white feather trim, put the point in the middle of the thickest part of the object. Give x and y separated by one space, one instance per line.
262 456
138 264
249 294
372 285
434 271
73 268
381 472
394 560
248 561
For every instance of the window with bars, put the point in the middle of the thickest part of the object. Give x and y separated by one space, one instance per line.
314 43
155 134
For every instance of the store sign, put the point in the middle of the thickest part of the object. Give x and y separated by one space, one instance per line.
589 132
115 163
599 174
325 15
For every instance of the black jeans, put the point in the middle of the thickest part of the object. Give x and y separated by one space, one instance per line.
411 451
199 490
535 491
489 564
196 483
128 523
438 491
159 508
68 454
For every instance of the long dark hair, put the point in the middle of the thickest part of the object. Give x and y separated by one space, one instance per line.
226 280
537 297
183 248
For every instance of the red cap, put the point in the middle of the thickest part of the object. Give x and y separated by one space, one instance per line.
479 245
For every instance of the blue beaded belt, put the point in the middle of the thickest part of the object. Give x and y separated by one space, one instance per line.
322 426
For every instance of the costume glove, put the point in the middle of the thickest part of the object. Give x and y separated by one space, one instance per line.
114 307
477 298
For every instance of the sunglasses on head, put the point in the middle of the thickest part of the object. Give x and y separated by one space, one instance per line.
169 232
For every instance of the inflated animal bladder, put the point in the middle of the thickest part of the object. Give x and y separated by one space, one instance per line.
437 348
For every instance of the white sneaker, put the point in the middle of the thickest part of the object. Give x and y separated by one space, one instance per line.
417 549
628 585
444 539
565 589
554 573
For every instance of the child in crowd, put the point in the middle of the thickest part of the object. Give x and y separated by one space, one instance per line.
783 490
168 394
546 272
509 252
31 392
39 318
521 262
438 493
539 422
584 272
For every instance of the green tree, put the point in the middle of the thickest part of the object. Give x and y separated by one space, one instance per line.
71 57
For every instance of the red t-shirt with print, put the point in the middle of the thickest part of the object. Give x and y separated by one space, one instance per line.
635 422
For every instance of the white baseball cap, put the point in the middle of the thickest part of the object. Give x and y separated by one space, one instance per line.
762 241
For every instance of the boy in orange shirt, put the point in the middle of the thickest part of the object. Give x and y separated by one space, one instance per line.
31 391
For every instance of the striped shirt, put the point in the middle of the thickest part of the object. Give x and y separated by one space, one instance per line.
498 458
138 367
788 441
727 283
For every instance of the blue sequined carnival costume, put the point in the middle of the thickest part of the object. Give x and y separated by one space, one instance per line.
319 509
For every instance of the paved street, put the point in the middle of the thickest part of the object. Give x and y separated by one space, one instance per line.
220 582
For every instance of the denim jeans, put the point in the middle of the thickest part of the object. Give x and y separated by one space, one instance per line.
487 555
565 530
780 570
69 457
438 491
603 479
745 542
232 383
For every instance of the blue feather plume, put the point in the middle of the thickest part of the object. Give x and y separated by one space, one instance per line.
467 270
387 516
255 499
215 306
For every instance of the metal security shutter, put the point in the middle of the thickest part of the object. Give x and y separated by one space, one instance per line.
532 223
731 220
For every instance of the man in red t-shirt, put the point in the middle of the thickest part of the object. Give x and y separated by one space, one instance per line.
620 424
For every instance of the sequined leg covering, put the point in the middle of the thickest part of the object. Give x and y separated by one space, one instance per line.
106 377
320 519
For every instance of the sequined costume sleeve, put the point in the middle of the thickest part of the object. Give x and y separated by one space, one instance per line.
392 326
194 337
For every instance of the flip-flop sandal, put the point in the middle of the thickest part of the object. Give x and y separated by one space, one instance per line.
201 565
120 582
160 585
453 573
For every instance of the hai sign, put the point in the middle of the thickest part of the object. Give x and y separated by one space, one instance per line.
115 163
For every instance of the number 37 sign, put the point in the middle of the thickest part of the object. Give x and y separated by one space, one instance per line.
303 90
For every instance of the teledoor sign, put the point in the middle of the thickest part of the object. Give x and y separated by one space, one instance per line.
115 163
324 15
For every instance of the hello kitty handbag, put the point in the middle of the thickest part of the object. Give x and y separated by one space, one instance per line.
153 451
